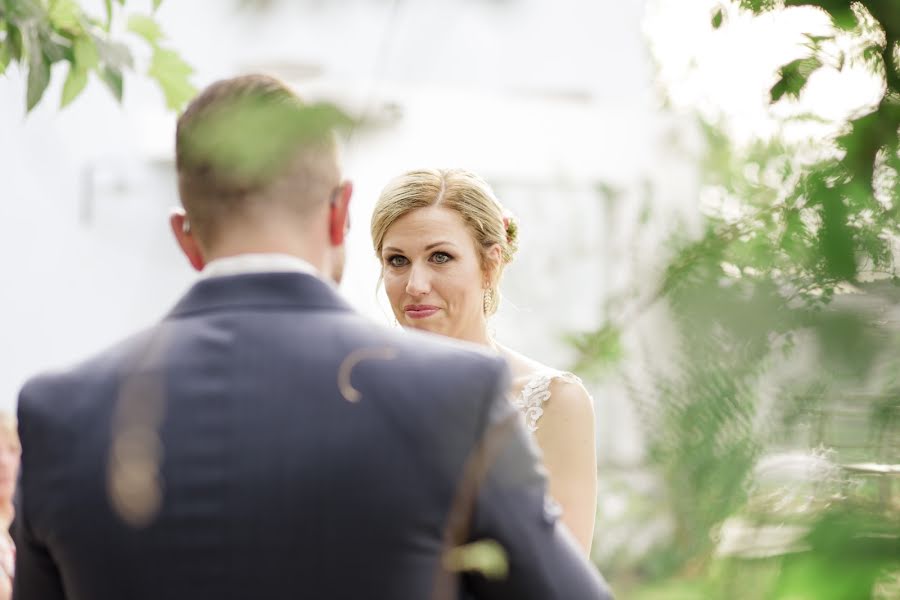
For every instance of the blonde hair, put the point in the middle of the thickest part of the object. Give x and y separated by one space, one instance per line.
464 193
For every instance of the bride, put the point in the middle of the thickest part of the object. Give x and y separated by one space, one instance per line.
443 240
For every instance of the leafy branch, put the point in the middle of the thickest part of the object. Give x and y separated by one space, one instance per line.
795 225
37 34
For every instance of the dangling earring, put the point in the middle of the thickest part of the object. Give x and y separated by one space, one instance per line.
488 299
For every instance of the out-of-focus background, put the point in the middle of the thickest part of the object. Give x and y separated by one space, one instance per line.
551 104
687 208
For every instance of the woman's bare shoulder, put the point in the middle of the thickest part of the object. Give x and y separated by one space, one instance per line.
568 393
564 388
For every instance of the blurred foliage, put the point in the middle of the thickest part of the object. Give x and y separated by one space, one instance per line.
786 340
254 135
856 544
265 5
820 224
850 551
597 350
486 557
37 34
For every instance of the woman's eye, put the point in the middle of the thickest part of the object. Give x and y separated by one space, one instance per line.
441 257
397 261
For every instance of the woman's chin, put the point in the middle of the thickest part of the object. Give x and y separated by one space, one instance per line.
422 325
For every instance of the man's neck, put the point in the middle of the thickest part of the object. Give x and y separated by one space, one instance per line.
315 259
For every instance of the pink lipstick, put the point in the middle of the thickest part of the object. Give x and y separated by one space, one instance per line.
419 311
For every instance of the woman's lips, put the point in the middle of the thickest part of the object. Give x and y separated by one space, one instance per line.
419 311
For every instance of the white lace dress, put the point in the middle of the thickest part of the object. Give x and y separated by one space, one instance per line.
536 392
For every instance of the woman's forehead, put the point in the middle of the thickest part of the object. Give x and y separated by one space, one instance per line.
424 226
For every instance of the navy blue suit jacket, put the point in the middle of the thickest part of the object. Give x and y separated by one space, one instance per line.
265 441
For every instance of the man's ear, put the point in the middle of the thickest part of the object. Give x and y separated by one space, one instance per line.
189 245
339 214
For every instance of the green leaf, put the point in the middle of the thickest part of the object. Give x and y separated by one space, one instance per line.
112 77
109 13
253 136
145 27
717 18
38 80
872 55
38 67
65 15
75 82
486 557
14 42
597 350
5 57
156 4
53 50
866 136
173 76
114 54
841 11
835 236
758 6
793 77
850 549
845 19
85 52
23 11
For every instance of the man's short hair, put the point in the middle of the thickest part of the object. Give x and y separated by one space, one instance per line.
250 143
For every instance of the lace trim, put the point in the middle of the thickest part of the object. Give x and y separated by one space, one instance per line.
530 401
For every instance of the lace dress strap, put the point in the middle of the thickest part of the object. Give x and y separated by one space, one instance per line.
536 392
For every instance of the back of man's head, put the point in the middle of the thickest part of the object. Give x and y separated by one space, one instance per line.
247 148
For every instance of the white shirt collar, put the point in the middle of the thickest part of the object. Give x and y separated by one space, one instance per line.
242 264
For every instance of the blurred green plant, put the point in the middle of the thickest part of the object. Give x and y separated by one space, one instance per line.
839 216
782 327
855 544
486 557
37 34
254 136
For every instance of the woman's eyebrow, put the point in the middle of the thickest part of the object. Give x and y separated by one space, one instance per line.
436 244
428 247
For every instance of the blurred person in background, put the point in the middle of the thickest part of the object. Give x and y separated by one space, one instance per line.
10 454
443 240
264 440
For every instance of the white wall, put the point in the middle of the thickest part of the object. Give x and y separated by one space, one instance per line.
543 99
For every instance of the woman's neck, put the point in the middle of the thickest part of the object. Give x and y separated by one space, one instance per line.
481 337
494 346
477 334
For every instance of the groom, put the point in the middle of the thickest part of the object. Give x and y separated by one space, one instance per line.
264 441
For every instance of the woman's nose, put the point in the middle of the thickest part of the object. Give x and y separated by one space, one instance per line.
419 282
